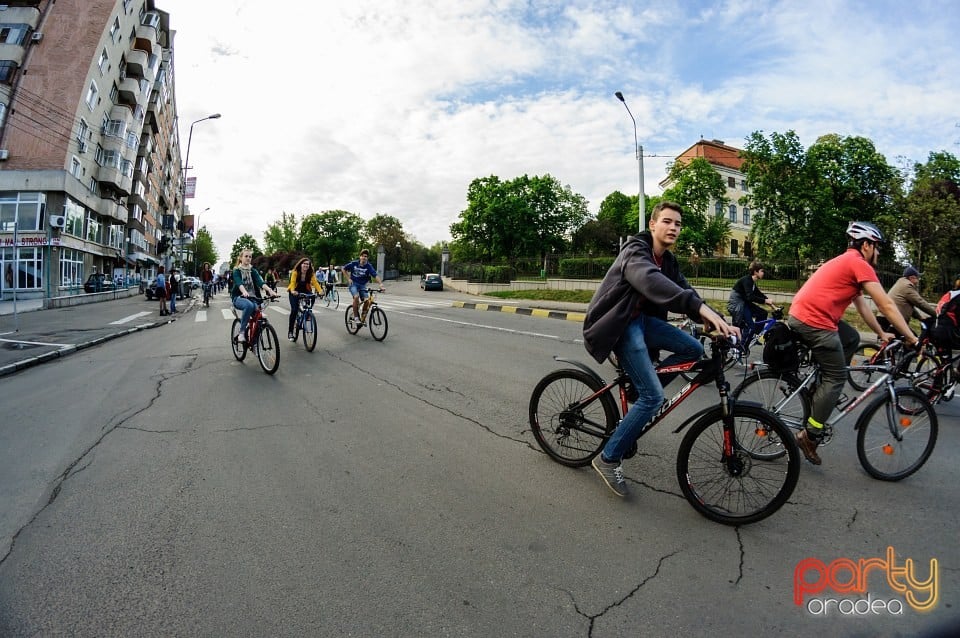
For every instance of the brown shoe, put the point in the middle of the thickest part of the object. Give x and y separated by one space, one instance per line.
808 446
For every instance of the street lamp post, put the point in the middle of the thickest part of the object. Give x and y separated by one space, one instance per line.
186 167
398 261
641 203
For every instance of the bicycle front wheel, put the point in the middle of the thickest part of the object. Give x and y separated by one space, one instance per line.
746 485
268 349
352 323
894 440
378 324
569 419
309 332
239 349
336 298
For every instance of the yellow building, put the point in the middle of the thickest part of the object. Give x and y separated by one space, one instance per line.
727 162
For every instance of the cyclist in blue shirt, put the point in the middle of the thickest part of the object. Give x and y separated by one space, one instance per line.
361 272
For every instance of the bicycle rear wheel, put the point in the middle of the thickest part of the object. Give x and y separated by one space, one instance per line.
268 349
570 428
239 349
895 440
923 366
745 486
309 331
378 323
353 324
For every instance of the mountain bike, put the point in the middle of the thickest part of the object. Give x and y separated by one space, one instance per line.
724 468
306 323
896 432
207 287
332 298
371 315
260 337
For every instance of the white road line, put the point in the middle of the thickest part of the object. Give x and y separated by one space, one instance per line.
480 325
227 313
201 315
37 343
130 318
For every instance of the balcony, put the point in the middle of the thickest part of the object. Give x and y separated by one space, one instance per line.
110 178
149 36
137 63
22 13
14 52
129 91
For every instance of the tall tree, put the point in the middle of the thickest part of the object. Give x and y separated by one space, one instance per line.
694 185
387 231
617 210
244 241
331 237
930 226
781 184
282 235
203 248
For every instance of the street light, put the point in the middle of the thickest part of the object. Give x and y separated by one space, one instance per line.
186 167
640 199
398 261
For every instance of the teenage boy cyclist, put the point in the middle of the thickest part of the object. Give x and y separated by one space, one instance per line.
361 272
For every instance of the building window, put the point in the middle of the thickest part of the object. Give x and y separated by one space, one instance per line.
71 268
104 62
92 93
13 33
718 209
74 214
115 29
7 70
115 128
743 186
82 130
94 229
27 263
3 113
732 182
75 167
746 215
748 249
25 207
733 213
734 247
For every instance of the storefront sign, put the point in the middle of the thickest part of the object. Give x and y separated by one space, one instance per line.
30 240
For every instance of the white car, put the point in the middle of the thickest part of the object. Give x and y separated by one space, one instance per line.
193 282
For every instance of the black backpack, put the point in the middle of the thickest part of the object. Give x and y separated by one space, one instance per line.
780 350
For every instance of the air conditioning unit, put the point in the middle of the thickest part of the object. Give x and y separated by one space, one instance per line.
58 221
4 154
81 146
36 36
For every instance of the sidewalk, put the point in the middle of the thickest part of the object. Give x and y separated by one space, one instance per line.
22 305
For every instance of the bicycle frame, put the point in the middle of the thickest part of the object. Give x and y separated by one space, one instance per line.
708 370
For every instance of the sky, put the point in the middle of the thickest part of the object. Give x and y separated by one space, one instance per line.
394 107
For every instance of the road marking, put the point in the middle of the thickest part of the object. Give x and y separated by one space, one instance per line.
480 325
130 318
227 314
37 343
201 315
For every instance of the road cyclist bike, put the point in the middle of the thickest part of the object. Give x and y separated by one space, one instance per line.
371 315
724 466
897 430
261 337
207 291
305 323
332 298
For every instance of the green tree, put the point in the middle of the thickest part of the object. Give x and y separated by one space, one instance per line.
597 237
853 182
244 241
694 185
618 214
781 184
930 227
203 249
331 237
508 220
282 235
387 231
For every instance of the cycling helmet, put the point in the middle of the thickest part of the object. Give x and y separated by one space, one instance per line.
864 230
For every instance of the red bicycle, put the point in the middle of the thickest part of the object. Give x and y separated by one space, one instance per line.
260 336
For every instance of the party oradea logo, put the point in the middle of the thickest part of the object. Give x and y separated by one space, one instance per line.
847 587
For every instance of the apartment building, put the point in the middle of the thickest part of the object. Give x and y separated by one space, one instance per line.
727 162
89 152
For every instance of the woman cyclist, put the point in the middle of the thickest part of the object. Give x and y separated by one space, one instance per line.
303 280
246 283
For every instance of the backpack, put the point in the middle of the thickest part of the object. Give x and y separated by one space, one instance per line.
945 332
780 350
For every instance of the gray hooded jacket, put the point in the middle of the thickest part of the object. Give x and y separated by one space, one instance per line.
635 285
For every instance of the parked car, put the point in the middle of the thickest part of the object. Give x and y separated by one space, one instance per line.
431 281
99 282
151 285
194 282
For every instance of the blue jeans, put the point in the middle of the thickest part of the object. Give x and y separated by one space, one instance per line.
642 336
357 289
173 298
246 306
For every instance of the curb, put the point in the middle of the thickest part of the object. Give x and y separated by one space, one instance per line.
529 312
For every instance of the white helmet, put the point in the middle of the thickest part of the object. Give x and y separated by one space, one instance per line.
864 230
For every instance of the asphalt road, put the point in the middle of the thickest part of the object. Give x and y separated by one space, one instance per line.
152 485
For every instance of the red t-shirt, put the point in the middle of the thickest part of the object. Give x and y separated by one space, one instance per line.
821 301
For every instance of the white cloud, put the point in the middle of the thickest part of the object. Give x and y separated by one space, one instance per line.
383 106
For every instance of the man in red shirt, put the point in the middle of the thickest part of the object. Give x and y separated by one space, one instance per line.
816 313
